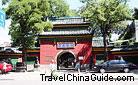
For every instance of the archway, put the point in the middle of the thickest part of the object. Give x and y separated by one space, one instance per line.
65 61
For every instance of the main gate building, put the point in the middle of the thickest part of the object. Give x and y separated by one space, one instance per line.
70 40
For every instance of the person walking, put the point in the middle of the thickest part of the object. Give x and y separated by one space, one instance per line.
77 66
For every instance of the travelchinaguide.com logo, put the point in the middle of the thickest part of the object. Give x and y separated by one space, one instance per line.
88 77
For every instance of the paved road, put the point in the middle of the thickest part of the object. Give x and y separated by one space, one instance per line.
34 78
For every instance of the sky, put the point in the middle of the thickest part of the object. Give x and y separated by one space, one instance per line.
133 4
74 4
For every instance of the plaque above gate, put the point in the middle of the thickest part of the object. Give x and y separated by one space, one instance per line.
65 44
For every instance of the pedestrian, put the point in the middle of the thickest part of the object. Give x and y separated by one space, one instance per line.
53 69
52 66
77 66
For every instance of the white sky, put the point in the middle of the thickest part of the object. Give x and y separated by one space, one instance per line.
74 4
133 3
4 37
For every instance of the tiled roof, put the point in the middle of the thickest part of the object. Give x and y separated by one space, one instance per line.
68 30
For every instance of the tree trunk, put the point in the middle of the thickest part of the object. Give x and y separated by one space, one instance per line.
105 44
23 50
23 54
92 57
23 43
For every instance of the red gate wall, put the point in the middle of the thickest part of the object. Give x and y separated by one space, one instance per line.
49 51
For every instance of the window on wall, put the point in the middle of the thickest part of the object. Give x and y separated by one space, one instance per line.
99 58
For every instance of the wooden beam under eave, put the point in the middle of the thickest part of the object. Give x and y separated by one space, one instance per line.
63 36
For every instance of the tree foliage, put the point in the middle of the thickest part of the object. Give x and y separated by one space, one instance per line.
135 13
105 14
26 22
28 19
5 1
58 8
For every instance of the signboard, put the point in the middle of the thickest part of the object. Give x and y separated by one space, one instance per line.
65 44
2 18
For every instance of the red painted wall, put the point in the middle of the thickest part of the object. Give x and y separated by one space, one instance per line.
49 51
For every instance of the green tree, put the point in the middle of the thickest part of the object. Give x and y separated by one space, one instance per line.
26 23
5 1
105 15
28 20
58 8
73 13
135 13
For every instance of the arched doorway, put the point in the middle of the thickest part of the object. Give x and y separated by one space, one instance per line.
65 61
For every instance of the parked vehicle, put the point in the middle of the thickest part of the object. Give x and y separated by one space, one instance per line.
115 66
5 67
20 67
